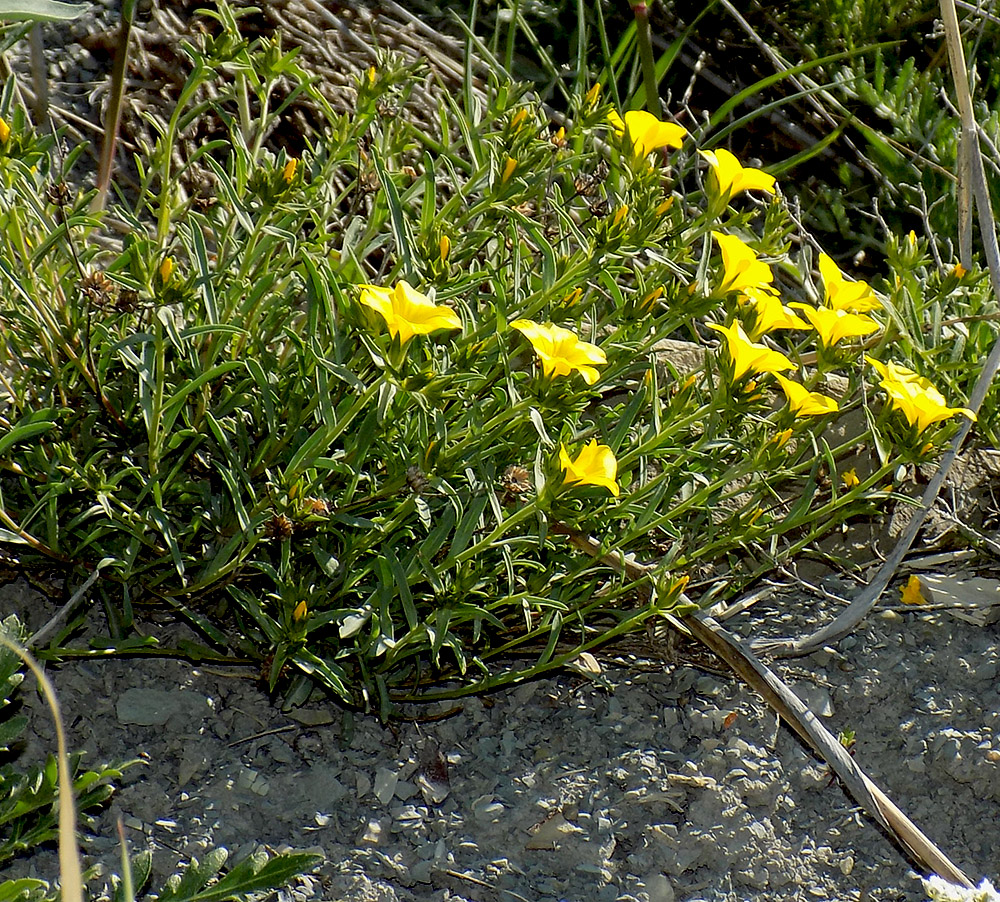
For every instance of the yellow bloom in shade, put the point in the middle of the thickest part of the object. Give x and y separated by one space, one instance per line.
836 325
407 312
560 351
594 465
593 95
742 271
4 130
772 315
850 478
911 593
646 132
301 611
166 269
730 177
914 396
805 403
664 206
510 164
855 297
288 173
780 439
749 357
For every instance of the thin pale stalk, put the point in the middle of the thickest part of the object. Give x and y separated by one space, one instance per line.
859 608
112 119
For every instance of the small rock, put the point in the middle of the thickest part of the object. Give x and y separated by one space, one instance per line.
660 889
154 707
385 784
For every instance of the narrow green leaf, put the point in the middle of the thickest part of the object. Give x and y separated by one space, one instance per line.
400 228
40 10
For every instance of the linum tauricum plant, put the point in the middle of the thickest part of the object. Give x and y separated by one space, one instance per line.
348 412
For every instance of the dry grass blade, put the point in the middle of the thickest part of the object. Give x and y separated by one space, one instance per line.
69 859
860 606
790 708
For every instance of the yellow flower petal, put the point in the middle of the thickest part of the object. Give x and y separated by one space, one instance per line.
407 312
772 315
748 357
4 130
836 325
805 403
850 478
561 351
911 593
646 132
915 397
510 164
854 297
594 465
730 177
742 271
288 173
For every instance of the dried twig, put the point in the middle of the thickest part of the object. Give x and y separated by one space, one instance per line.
797 715
860 606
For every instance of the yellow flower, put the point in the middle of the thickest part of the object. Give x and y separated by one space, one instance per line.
855 297
510 164
561 351
850 478
407 312
730 177
4 130
748 357
805 403
594 465
914 396
664 206
836 325
517 120
620 215
646 132
958 272
166 269
911 593
650 298
288 173
444 248
742 271
559 138
593 95
772 315
780 439
301 611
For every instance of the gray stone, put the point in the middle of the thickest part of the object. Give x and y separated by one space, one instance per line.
154 707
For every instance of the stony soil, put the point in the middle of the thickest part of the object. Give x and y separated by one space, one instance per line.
668 783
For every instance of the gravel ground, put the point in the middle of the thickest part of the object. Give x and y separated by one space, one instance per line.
671 784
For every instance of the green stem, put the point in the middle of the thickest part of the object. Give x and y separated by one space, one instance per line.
645 41
506 526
